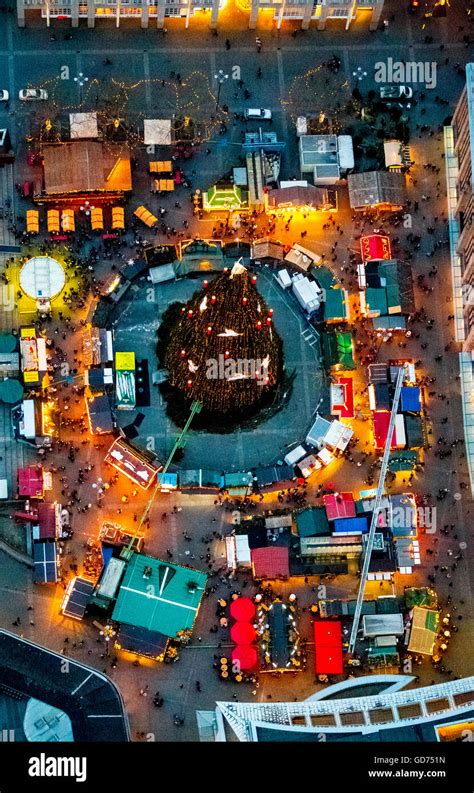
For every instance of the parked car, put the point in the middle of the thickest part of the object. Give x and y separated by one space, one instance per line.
4 95
261 114
396 92
28 94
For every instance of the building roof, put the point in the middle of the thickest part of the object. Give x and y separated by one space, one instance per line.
86 166
357 525
373 188
270 562
336 306
90 699
158 596
47 520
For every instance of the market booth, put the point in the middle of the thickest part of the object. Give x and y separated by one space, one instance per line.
375 246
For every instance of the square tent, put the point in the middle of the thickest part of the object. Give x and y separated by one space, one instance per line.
144 214
342 397
338 350
118 218
318 431
83 125
336 305
157 132
414 431
32 221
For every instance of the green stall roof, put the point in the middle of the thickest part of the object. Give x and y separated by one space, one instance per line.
159 596
312 522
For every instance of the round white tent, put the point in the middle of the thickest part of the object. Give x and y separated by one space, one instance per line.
42 278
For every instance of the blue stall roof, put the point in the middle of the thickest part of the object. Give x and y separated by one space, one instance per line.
350 525
410 399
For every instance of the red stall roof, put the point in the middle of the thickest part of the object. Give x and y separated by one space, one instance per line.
30 482
381 425
47 521
270 562
339 505
346 407
328 641
375 246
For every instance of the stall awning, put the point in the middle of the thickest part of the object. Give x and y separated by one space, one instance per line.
145 216
118 218
53 221
32 221
97 219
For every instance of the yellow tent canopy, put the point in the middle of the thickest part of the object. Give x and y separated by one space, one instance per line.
97 219
161 166
164 184
145 216
118 215
32 221
53 220
67 220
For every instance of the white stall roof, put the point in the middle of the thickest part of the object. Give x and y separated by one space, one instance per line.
296 454
29 424
307 293
157 132
346 152
83 125
382 625
165 272
284 278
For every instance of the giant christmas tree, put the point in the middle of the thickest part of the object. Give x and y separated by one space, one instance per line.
223 350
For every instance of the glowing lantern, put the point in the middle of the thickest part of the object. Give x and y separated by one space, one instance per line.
244 301
190 312
259 324
269 320
190 382
205 284
213 299
227 353
254 279
209 330
183 353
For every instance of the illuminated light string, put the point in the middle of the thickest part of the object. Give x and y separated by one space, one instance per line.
319 91
189 102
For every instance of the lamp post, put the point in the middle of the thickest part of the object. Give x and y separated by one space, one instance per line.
108 633
81 80
221 77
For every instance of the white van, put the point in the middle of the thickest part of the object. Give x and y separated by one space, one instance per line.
260 114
